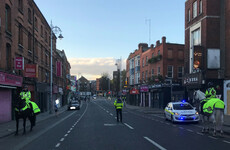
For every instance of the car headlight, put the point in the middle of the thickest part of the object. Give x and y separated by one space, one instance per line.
197 113
177 114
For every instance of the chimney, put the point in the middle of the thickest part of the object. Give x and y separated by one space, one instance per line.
151 46
163 39
158 42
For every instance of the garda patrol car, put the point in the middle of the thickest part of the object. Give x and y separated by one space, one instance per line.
181 112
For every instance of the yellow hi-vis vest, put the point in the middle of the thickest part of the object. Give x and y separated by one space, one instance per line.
35 107
213 102
118 104
26 96
211 92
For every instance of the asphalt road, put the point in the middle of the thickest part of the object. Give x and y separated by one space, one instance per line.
94 127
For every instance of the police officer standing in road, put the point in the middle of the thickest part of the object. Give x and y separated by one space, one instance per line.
118 105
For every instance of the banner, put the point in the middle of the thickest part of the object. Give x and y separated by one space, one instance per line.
19 63
31 71
8 79
59 68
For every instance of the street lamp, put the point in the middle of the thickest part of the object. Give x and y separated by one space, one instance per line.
54 30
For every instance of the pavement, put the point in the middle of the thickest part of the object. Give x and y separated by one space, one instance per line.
9 128
148 110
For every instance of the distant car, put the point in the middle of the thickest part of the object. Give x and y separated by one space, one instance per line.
94 96
74 105
181 112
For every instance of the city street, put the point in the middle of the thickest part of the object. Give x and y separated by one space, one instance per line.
94 127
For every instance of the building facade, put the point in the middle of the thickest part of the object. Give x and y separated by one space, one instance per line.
207 49
156 72
25 54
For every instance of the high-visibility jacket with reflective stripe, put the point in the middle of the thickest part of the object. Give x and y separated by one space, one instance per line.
35 107
26 96
211 92
118 104
213 102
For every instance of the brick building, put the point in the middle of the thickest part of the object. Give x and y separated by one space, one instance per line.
152 70
25 33
207 46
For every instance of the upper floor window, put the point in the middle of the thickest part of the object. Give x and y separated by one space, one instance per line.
29 16
8 56
8 18
41 31
196 37
152 55
146 60
181 54
36 23
143 62
180 72
201 7
46 38
20 5
152 72
170 53
159 52
20 35
158 70
189 18
29 42
146 75
194 9
170 71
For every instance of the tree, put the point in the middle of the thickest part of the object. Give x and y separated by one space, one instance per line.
104 82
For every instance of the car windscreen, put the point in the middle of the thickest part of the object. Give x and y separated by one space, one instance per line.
182 107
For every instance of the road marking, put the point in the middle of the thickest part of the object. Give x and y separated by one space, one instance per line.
66 134
181 127
107 111
62 139
111 114
226 141
71 129
58 144
190 130
174 125
167 123
154 143
199 133
107 124
212 137
129 126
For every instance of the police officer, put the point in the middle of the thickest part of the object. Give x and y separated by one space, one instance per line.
25 94
210 92
118 105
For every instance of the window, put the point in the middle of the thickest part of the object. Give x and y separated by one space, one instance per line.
46 58
146 60
8 56
201 5
152 55
152 72
29 16
30 42
180 54
170 71
159 52
36 48
36 23
158 70
46 38
196 37
170 54
146 75
8 18
143 76
180 72
189 15
143 62
20 5
41 31
194 9
20 35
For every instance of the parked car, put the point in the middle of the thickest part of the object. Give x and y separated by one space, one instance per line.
94 96
74 105
181 112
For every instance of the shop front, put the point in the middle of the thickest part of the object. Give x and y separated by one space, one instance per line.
9 88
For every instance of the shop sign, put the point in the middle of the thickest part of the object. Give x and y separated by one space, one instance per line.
134 91
192 79
59 68
8 79
144 88
19 63
31 71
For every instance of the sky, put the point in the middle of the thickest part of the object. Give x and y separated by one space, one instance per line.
98 32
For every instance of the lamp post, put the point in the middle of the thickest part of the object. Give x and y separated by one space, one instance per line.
54 30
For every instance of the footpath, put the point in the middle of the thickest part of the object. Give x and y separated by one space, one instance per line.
9 128
148 110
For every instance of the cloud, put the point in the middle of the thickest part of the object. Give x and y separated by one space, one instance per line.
92 68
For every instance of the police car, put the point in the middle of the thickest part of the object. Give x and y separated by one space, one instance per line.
181 112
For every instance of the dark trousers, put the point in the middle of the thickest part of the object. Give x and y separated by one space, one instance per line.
119 115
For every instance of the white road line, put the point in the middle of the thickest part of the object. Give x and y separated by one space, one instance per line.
226 141
71 129
58 144
199 133
167 123
190 130
111 114
66 134
174 125
212 137
154 143
62 139
181 127
129 126
107 111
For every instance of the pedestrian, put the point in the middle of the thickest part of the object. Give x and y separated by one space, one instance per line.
118 105
56 109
